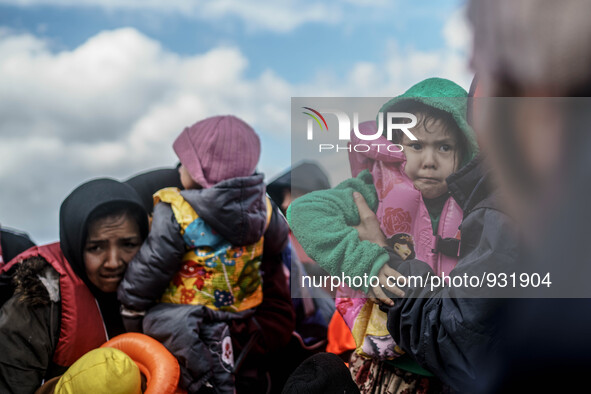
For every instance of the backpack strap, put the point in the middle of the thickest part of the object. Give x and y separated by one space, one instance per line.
448 246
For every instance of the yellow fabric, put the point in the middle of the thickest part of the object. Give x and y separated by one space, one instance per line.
183 212
369 324
229 281
103 370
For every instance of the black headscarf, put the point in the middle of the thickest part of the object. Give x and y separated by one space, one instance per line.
75 211
306 176
148 183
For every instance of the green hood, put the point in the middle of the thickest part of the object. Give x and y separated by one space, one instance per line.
447 96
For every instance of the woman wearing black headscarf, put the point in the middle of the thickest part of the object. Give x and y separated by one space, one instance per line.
65 303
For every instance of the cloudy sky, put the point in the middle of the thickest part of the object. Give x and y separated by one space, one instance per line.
92 88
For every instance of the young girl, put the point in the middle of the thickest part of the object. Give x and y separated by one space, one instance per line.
203 254
409 191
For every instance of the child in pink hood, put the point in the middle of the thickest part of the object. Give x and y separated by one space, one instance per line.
200 266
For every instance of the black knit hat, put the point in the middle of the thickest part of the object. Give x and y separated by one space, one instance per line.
323 373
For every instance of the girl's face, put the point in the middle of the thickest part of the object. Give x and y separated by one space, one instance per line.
430 159
402 250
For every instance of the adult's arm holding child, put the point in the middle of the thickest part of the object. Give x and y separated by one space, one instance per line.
322 221
446 329
155 264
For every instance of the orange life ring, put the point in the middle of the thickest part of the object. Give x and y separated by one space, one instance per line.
155 362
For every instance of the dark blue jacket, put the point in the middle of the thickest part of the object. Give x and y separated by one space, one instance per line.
452 331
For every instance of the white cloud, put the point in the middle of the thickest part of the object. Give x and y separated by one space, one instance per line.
457 32
405 66
113 106
369 3
276 16
402 68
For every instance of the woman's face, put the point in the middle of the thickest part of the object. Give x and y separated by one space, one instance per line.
111 244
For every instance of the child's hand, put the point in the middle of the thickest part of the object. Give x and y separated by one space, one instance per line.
369 226
387 277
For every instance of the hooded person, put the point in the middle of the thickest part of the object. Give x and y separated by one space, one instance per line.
149 182
202 260
313 306
322 373
12 243
534 58
65 303
303 178
300 179
404 182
